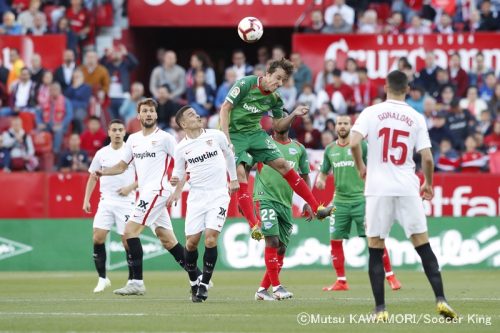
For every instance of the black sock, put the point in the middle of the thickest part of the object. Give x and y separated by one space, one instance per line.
191 264
209 260
178 253
376 273
431 269
130 271
135 257
100 259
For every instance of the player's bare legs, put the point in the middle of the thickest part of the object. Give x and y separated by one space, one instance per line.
245 202
431 269
273 256
299 186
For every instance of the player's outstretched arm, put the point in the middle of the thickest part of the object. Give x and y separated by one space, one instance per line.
355 144
428 169
224 118
117 169
282 124
89 189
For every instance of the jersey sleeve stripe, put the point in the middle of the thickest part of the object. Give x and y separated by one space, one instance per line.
149 210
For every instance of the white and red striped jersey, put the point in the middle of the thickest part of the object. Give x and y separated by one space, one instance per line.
394 130
152 155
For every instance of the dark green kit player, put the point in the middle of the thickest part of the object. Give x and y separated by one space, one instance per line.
273 198
349 202
248 100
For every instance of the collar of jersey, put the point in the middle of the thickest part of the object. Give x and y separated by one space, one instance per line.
203 131
341 145
396 102
283 142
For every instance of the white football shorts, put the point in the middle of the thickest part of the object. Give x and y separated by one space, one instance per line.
381 212
206 210
113 212
151 210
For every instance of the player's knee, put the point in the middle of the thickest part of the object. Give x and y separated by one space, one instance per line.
210 241
281 249
191 244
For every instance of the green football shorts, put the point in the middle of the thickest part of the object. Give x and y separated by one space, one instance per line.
276 220
250 148
341 220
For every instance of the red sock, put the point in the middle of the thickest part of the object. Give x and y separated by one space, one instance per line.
338 257
300 187
266 282
246 204
387 261
272 267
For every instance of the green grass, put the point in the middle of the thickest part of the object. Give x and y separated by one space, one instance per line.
56 302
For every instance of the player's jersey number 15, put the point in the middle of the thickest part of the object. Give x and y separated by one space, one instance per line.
393 138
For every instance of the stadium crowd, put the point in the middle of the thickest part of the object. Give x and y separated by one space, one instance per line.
57 120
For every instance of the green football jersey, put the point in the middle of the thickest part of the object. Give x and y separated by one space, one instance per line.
250 103
270 185
348 186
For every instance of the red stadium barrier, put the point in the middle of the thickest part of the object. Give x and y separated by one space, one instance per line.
56 195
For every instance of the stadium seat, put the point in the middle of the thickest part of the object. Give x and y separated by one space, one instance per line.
42 142
495 162
29 121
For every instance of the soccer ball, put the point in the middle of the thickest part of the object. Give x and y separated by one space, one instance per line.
250 29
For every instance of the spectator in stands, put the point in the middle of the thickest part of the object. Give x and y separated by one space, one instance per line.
288 94
326 138
494 103
5 109
128 110
23 93
79 21
439 130
39 26
4 73
489 19
168 73
474 22
408 9
473 103
27 18
64 73
416 98
429 109
443 79
240 66
43 89
20 147
472 160
368 23
72 39
9 25
446 95
480 142
16 64
457 75
167 107
79 94
427 77
365 91
445 24
200 62
96 76
93 138
340 94
55 116
308 98
485 123
302 73
395 24
447 159
325 113
418 27
201 96
460 124
277 53
74 159
410 73
477 75
223 90
345 12
317 22
338 26
120 64
492 141
488 88
4 157
350 74
262 56
37 69
309 136
324 77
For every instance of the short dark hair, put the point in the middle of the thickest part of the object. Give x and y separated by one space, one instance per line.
147 101
397 82
180 114
94 118
283 64
337 72
117 121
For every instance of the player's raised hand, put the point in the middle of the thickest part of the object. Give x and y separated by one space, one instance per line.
427 191
174 180
308 212
86 207
234 186
301 110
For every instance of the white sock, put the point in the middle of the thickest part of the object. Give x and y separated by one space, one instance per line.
387 274
341 278
139 282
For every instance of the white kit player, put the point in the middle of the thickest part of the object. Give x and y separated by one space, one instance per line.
393 131
204 158
152 151
116 201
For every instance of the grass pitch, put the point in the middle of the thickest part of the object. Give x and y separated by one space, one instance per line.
62 302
